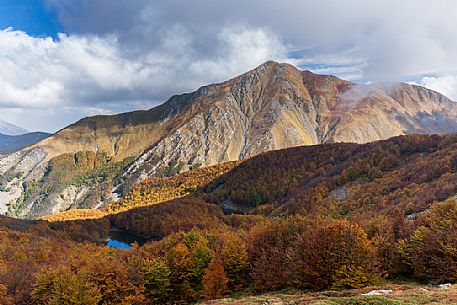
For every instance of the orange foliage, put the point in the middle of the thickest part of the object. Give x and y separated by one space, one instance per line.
215 281
160 220
80 214
156 190
344 180
311 253
432 250
354 199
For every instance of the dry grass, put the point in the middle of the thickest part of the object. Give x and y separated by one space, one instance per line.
403 294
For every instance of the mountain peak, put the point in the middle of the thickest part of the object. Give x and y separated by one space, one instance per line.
267 64
11 129
276 66
273 106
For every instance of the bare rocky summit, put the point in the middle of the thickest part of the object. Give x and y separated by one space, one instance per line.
272 107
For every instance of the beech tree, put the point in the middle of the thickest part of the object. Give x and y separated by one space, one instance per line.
181 266
215 282
60 286
236 261
336 255
5 299
432 250
156 280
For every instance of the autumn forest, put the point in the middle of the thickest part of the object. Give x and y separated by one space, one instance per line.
333 216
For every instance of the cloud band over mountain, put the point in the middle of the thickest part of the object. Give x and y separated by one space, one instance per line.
118 55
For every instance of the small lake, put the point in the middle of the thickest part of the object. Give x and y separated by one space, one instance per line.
121 239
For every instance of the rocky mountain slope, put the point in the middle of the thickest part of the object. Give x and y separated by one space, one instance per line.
271 107
10 143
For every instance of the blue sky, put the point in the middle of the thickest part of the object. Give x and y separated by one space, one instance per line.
123 55
30 16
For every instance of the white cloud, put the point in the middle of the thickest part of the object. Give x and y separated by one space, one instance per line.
43 94
120 54
93 74
446 85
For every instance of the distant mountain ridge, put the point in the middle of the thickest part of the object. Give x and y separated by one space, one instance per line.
272 107
11 129
9 143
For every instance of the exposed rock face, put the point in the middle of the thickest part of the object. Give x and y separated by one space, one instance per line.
70 195
271 107
277 106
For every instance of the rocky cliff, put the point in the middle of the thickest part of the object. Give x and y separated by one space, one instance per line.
271 107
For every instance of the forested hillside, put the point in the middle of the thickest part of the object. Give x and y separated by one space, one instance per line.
350 180
340 180
57 263
159 189
335 216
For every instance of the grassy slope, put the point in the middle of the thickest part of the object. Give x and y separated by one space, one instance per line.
152 191
403 294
